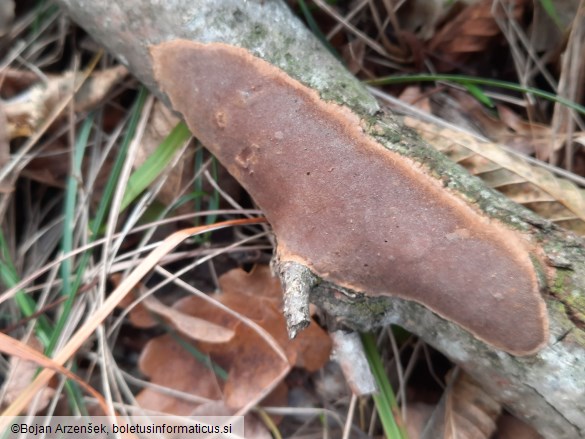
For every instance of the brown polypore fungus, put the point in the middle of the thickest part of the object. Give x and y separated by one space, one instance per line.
340 203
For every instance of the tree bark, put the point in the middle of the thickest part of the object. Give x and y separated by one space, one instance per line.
546 390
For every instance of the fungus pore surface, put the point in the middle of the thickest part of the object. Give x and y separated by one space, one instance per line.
354 212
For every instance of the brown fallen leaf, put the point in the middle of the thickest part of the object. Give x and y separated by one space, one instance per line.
465 411
471 32
510 427
168 364
311 351
251 365
257 296
26 112
529 137
138 316
418 416
553 197
21 371
192 327
420 17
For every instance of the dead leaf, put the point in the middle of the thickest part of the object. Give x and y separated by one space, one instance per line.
465 411
192 327
529 137
138 316
252 365
168 364
418 416
533 186
26 112
141 317
257 283
510 427
471 32
420 17
414 96
24 363
21 371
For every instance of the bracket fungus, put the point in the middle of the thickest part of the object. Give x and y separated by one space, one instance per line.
352 211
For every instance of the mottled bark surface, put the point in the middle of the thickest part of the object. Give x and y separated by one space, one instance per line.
547 389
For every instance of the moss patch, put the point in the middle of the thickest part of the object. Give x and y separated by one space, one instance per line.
571 295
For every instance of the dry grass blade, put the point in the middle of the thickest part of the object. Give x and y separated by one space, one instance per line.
571 83
92 322
534 187
16 348
358 33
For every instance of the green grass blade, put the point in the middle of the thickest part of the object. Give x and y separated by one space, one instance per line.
550 10
72 289
204 359
385 401
155 164
478 94
106 198
69 229
25 303
463 80
68 290
215 198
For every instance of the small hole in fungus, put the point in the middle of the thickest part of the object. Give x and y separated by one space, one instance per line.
308 173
